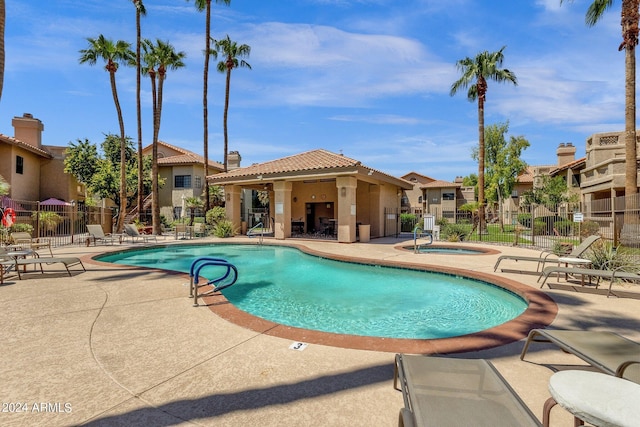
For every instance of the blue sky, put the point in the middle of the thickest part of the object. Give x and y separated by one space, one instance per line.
366 78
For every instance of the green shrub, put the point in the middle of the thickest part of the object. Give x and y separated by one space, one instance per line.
215 215
589 228
540 228
223 228
564 227
525 220
604 256
442 222
454 232
21 227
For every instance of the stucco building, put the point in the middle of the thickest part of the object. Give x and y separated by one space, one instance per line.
319 191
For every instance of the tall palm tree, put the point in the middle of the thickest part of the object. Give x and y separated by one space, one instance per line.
158 59
113 54
486 65
140 11
206 6
231 52
630 16
2 22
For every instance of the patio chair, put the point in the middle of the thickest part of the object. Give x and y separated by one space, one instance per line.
545 255
199 230
24 240
611 275
607 351
97 234
440 391
132 231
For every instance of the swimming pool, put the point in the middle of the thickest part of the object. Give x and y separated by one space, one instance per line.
288 287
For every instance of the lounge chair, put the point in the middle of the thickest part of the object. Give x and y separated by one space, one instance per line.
607 351
611 275
440 391
132 231
24 240
545 255
96 233
66 261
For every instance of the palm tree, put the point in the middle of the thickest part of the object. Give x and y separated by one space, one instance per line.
630 15
113 54
231 51
2 21
206 6
158 59
140 11
486 65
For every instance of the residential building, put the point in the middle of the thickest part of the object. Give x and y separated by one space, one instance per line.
33 170
183 172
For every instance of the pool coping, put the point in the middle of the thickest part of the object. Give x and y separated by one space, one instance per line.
540 312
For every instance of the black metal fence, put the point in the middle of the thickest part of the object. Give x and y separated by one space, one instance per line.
62 223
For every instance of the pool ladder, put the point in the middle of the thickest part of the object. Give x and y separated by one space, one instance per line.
228 278
417 233
252 233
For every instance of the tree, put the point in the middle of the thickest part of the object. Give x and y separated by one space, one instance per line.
4 186
630 16
101 174
81 161
206 6
550 193
158 59
3 16
503 163
193 203
216 195
140 11
485 66
231 51
113 54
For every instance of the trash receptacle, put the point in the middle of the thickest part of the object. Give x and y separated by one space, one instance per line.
364 231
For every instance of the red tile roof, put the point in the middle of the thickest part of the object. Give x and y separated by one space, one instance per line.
313 162
441 184
11 140
186 158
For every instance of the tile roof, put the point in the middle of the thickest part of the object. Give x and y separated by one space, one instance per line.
526 177
11 140
187 157
441 184
313 162
570 165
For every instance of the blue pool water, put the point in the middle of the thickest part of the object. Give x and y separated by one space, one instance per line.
287 286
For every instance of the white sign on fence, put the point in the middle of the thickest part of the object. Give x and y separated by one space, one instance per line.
578 217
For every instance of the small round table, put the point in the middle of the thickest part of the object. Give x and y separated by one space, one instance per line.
594 397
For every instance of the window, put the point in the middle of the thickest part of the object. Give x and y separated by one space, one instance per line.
448 196
182 181
575 180
198 182
19 165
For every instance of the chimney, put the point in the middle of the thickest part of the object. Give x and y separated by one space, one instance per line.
28 130
233 160
566 153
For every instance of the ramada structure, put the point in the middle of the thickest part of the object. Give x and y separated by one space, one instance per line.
310 188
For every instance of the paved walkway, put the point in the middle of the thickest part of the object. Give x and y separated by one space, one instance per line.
124 346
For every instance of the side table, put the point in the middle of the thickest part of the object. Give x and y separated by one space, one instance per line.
594 397
576 262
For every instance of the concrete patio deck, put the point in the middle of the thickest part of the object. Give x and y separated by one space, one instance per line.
124 346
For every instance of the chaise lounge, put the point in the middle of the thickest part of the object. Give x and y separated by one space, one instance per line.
611 275
442 392
96 233
132 231
607 351
545 255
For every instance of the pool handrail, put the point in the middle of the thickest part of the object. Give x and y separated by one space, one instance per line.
194 274
417 234
251 234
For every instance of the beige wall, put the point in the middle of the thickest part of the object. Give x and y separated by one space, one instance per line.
25 186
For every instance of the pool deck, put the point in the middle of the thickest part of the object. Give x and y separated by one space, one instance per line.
124 346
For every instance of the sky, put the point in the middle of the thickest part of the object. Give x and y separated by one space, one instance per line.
370 79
